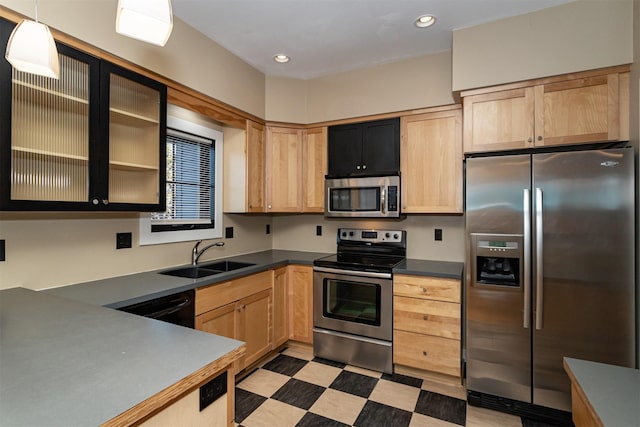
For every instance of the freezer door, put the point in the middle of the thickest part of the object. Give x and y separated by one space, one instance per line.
498 340
583 277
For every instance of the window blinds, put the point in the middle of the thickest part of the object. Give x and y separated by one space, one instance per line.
190 181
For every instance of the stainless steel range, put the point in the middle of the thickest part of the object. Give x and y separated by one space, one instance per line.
353 298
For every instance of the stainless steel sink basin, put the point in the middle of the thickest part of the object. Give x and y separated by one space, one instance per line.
204 270
192 272
227 265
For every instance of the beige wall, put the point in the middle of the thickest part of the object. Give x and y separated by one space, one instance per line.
577 36
414 83
298 232
46 250
404 85
188 57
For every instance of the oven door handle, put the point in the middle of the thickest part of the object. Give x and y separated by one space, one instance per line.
352 272
353 337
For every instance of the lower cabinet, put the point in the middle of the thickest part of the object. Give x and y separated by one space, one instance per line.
239 309
427 324
300 298
280 326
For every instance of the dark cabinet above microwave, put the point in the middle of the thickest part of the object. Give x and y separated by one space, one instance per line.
361 149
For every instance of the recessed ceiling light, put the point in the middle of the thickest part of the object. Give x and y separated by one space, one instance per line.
281 58
425 21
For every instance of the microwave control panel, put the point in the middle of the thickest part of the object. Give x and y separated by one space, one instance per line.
392 195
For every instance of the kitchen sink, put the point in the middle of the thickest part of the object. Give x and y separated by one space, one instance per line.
198 271
192 272
227 265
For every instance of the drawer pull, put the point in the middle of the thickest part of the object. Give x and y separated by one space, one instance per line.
424 353
424 290
425 317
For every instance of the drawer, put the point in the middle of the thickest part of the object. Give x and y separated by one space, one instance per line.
214 296
437 318
427 287
426 352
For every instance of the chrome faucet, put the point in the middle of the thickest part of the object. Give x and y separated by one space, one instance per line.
195 253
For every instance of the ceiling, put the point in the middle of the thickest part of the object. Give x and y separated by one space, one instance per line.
325 37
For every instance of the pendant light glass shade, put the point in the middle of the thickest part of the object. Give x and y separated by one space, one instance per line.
31 49
148 20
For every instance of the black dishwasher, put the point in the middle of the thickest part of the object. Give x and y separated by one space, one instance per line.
178 309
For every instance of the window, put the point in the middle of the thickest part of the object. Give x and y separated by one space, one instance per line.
194 186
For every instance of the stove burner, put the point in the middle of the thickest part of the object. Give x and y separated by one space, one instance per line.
367 250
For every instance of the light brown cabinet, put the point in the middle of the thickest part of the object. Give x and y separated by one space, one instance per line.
280 326
431 162
300 313
573 109
284 169
427 323
239 309
244 171
314 168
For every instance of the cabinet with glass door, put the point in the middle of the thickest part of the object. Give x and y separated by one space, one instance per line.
90 140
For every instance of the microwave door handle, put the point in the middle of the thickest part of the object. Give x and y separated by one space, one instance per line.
383 199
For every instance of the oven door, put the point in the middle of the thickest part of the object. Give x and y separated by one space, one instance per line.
353 302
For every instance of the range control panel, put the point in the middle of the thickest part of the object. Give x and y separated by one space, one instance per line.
373 236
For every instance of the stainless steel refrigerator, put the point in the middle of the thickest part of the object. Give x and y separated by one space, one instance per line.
550 272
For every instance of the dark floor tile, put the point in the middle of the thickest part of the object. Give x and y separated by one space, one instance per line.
330 362
403 379
298 393
377 414
314 420
350 382
443 407
285 365
246 403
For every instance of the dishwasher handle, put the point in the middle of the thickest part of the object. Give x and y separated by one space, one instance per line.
167 311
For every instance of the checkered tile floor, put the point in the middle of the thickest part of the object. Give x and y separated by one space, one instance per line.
296 389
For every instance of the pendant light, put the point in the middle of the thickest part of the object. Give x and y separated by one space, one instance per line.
31 49
148 20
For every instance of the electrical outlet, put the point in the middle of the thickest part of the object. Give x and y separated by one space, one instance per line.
438 234
123 240
268 229
318 230
228 232
2 251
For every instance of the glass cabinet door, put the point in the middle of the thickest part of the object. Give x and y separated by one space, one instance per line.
50 134
136 125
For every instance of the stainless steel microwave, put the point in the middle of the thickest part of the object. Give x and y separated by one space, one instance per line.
363 197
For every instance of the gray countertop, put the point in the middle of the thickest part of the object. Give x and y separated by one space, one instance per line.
118 292
612 391
68 363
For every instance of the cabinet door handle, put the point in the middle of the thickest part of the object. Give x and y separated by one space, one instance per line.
425 317
95 201
364 166
105 202
530 140
424 353
358 167
424 290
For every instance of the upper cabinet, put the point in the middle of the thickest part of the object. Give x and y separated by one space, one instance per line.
431 162
284 169
244 171
91 140
575 109
314 168
369 148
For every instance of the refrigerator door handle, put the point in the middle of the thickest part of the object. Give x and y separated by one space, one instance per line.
526 208
539 253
